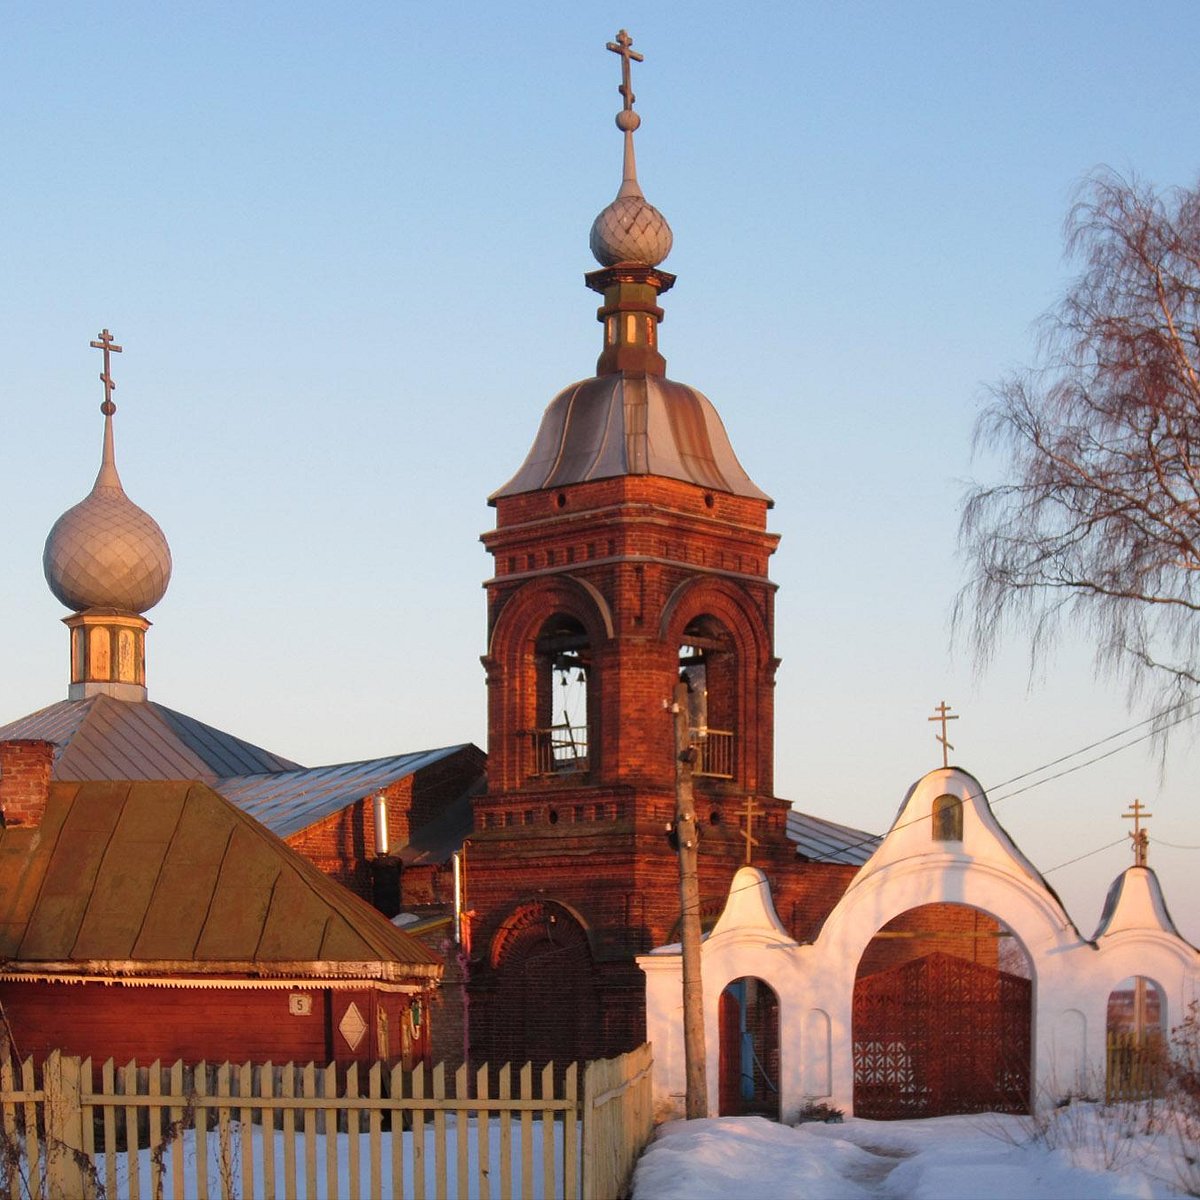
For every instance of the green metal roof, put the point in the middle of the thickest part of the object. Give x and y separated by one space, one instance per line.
154 876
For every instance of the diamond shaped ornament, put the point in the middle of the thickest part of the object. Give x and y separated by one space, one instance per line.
352 1026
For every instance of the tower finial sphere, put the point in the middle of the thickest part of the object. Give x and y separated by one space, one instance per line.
630 230
628 120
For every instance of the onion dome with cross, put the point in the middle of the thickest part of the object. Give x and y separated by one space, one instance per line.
106 552
630 419
630 229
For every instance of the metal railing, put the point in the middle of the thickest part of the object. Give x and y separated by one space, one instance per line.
715 754
565 748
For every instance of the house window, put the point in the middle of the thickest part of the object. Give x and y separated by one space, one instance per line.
947 819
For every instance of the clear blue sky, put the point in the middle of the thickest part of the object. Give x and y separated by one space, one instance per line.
343 247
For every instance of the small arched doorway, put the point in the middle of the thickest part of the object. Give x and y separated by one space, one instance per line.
942 1017
1135 1046
545 1005
749 1057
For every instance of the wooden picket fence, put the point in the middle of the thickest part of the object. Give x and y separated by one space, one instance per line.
1136 1066
166 1133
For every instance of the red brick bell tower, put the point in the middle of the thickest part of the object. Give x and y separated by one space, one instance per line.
630 551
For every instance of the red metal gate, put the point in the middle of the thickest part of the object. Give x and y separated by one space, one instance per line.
748 1020
941 1035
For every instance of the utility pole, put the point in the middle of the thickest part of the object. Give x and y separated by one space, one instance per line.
689 921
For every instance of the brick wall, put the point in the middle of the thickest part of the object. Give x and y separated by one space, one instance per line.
618 556
25 781
954 929
342 845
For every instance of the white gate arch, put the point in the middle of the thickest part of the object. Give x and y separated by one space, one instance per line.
917 864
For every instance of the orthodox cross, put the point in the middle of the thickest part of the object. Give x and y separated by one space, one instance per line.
942 714
748 832
1140 837
623 47
107 344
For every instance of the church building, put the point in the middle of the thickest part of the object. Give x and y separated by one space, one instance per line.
930 971
210 878
630 551
629 575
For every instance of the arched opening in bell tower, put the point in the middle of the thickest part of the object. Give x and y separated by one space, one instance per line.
708 665
564 662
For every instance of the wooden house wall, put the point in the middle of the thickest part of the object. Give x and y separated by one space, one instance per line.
104 1021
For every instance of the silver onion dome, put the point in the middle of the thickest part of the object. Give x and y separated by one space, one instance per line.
630 230
106 552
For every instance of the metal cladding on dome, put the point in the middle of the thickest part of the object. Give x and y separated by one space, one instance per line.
630 229
106 552
631 425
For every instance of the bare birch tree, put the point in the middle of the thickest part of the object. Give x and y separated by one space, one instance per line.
1098 520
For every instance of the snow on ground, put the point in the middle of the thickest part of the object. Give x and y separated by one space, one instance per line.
1078 1153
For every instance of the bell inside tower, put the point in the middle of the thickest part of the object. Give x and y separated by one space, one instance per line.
563 653
708 665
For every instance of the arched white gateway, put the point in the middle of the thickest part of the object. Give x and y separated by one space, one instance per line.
945 847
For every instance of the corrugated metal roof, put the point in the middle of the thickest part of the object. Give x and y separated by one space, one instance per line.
130 876
288 801
105 738
827 841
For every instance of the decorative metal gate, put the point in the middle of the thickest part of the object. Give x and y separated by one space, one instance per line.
941 1035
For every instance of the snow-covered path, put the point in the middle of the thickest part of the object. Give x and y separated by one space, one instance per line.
985 1157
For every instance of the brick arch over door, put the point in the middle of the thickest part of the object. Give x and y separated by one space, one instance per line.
544 1005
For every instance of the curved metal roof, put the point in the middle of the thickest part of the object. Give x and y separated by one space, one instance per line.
635 424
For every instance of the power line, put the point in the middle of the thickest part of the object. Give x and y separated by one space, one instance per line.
1091 761
1081 857
1102 741
1156 717
1151 720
